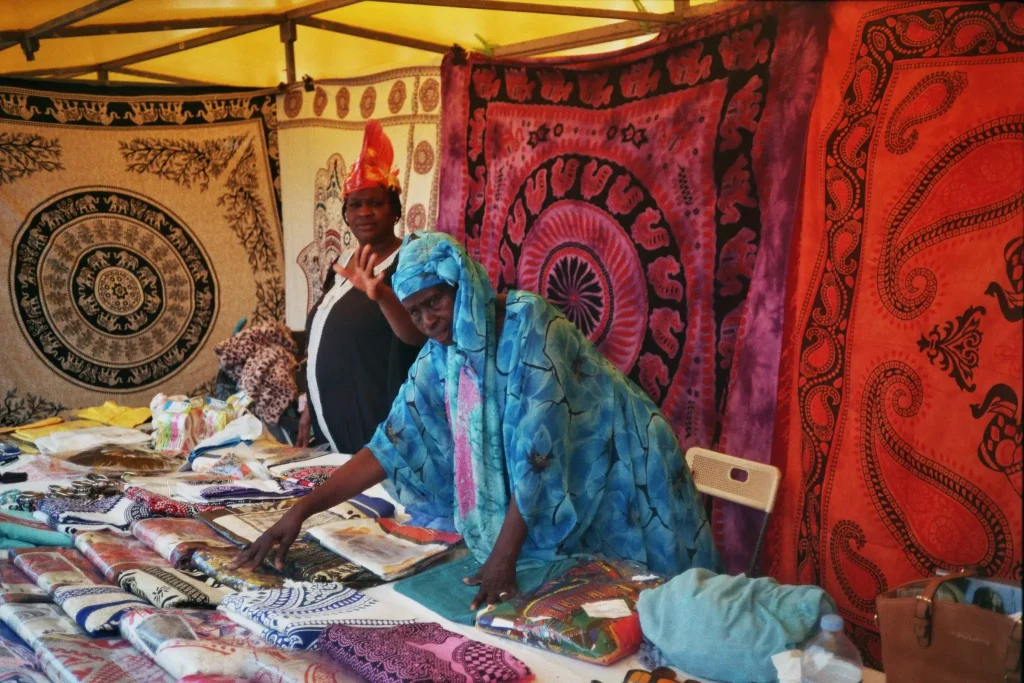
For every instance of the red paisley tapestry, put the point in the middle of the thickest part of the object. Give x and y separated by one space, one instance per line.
901 385
650 194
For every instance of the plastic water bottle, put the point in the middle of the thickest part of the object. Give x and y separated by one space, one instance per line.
830 657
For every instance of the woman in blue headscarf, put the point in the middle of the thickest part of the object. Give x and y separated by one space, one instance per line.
513 429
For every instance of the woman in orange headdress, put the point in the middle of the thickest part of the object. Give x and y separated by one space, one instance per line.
360 340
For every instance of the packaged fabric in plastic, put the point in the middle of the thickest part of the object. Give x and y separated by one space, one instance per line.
276 665
588 613
112 554
419 652
34 621
16 586
388 549
178 423
170 587
71 515
80 659
216 563
176 539
52 567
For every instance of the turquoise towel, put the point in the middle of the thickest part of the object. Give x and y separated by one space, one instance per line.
14 535
441 590
728 627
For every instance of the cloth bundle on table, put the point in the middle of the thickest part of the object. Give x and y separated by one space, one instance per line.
388 549
22 675
148 628
311 476
441 589
329 460
22 530
419 652
308 561
52 567
262 359
96 609
169 587
159 505
216 563
112 554
70 515
290 666
16 586
32 434
295 615
84 439
588 613
34 621
81 659
14 652
177 539
114 415
728 627
243 525
236 467
241 491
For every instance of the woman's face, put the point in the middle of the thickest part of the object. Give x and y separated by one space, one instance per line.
432 310
370 216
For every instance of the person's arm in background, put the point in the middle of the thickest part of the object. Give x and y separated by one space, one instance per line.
352 478
359 271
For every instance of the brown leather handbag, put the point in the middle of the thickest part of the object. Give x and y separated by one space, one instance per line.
928 639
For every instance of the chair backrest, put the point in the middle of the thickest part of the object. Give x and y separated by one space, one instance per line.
747 483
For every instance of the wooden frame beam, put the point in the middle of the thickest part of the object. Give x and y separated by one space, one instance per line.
596 36
288 36
39 31
151 26
153 76
593 11
369 34
316 8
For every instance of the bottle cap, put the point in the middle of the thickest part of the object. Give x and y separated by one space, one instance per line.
831 622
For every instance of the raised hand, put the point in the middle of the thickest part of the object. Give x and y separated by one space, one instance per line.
359 271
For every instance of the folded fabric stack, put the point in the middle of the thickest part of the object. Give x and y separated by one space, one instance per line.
21 530
243 525
295 615
71 515
388 549
275 665
159 505
186 643
96 609
176 539
81 659
32 622
587 613
15 586
418 652
53 567
170 587
312 476
241 491
110 413
216 563
112 554
18 664
311 562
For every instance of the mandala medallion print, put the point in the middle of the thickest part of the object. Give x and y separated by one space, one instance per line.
112 290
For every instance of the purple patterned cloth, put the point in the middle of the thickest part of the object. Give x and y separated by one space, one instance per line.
419 652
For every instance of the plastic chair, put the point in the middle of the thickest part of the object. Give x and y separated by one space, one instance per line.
751 484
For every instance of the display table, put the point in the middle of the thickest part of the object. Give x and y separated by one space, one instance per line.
548 666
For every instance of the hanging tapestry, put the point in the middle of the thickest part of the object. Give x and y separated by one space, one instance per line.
135 232
650 194
901 389
321 135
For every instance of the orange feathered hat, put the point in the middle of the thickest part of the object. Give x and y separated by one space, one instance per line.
373 168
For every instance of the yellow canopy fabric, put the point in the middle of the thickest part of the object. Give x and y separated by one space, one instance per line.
257 58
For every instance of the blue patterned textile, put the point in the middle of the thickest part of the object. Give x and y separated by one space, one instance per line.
537 412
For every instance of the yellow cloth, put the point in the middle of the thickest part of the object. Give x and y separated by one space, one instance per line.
114 415
32 425
31 435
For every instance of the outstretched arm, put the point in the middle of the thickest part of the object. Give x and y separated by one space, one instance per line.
352 478
359 271
497 578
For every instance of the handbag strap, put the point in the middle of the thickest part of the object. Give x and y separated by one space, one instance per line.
1013 654
926 604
